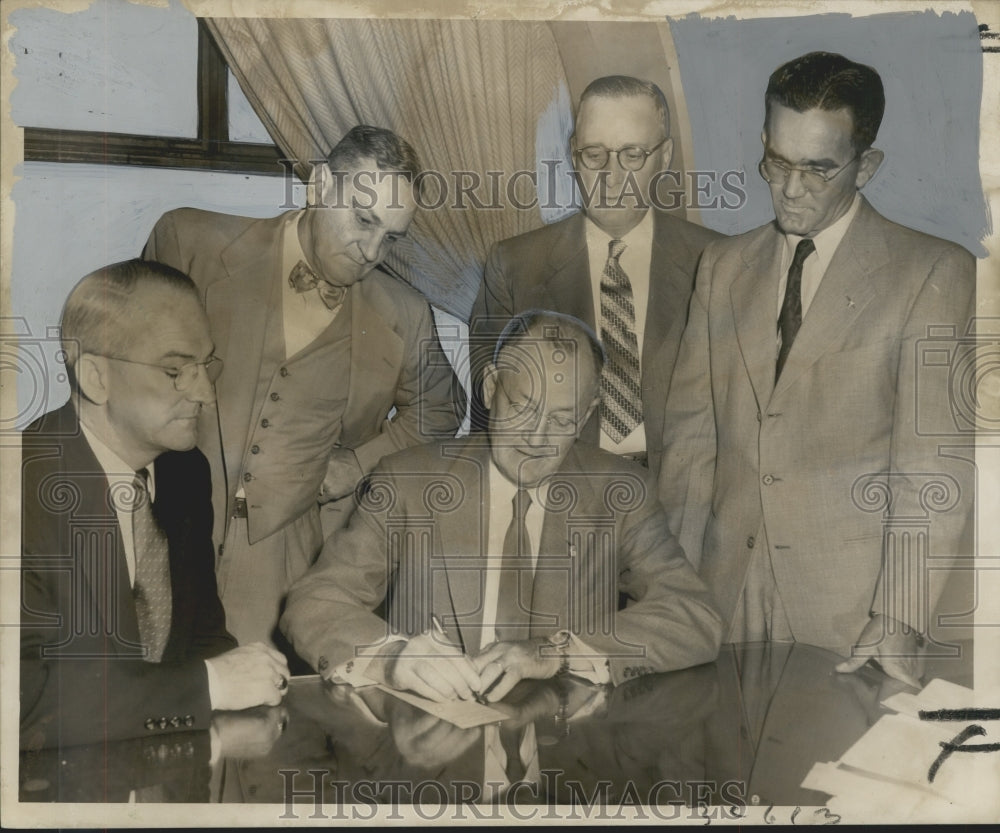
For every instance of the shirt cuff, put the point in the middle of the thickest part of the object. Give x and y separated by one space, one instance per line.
586 663
352 672
213 685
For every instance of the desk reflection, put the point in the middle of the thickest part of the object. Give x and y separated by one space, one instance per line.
744 729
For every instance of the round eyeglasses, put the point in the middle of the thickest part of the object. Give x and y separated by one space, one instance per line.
630 157
184 376
813 179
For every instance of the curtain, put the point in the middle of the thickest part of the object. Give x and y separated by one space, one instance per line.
474 96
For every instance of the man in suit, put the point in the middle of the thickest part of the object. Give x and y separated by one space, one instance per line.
794 404
623 265
122 632
320 347
503 555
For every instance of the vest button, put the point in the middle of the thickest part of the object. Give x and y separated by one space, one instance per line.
265 422
750 542
283 371
247 477
255 449
275 397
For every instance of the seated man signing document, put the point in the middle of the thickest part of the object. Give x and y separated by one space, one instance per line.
503 557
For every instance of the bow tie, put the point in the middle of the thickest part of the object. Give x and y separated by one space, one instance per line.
302 279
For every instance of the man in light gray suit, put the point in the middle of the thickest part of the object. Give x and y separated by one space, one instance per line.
794 402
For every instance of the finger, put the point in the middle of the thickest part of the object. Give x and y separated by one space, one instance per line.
468 672
446 675
511 677
898 671
491 654
849 666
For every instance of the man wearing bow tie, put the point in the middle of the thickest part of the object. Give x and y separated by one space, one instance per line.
319 347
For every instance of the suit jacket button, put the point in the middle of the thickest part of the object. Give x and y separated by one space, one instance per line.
265 422
275 397
255 449
150 724
175 721
163 723
188 720
247 477
283 371
750 542
767 479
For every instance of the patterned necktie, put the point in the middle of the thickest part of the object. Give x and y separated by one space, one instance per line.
621 399
151 590
302 279
516 575
790 318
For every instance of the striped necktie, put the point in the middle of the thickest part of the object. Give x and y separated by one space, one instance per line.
621 399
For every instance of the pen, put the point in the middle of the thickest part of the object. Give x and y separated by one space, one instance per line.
480 697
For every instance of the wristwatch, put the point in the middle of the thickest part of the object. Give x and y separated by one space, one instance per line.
560 640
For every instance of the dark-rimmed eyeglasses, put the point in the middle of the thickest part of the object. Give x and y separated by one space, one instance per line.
184 376
630 157
813 179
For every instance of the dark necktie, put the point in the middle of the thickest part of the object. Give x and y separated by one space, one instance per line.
516 575
303 279
790 318
151 589
621 394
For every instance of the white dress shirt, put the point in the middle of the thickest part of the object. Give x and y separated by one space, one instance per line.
120 479
635 260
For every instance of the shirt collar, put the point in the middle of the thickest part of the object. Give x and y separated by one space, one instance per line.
114 468
639 234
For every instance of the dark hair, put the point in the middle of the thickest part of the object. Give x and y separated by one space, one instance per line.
624 86
828 81
96 311
553 327
390 152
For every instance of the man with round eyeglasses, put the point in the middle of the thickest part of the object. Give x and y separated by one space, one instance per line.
123 634
623 265
799 394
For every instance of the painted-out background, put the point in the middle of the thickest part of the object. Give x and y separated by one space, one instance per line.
120 67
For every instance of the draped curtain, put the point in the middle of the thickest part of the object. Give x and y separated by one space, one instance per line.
469 95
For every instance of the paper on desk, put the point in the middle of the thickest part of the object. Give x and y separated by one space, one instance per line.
466 714
937 694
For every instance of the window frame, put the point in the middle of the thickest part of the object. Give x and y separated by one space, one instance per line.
211 150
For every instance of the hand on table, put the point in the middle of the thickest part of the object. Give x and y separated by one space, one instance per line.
251 675
429 666
343 473
507 663
896 652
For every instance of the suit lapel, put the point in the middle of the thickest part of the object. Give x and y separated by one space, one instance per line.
105 579
844 291
238 307
464 537
754 298
376 353
567 287
561 579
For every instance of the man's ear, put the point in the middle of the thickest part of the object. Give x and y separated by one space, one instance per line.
489 384
318 188
667 151
870 161
91 373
